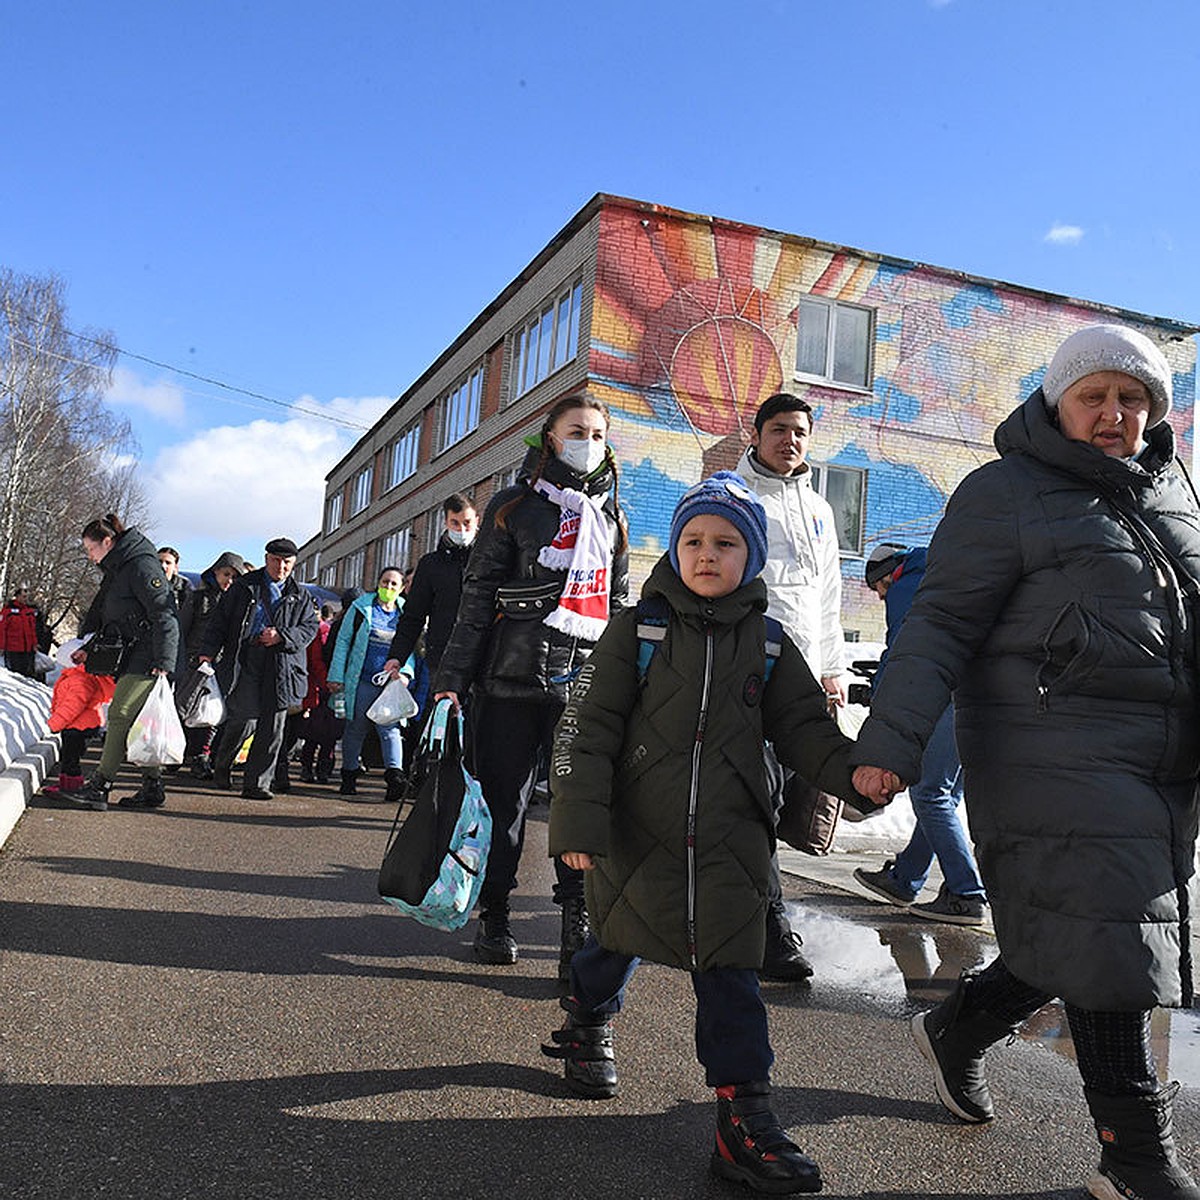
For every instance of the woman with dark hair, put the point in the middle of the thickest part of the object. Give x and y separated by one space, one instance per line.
549 563
359 657
135 606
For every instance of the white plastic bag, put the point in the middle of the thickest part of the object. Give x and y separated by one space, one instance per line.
156 738
394 704
205 705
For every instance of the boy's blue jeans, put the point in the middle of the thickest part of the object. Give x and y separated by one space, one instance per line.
732 1042
935 799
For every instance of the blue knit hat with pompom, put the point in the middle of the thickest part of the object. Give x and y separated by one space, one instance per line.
725 494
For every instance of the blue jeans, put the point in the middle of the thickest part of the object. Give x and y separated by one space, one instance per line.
731 1020
935 799
358 725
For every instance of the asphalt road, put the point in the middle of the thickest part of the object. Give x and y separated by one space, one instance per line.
211 1001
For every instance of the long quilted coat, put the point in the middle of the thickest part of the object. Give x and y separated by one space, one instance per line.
662 779
1059 607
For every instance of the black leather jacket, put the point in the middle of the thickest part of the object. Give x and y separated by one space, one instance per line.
521 659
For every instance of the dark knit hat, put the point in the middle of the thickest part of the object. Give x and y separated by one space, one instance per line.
727 495
1110 348
882 561
282 546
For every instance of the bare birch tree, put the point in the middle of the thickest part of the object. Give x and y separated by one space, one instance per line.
64 457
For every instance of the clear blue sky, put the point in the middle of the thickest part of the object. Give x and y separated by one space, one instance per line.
310 201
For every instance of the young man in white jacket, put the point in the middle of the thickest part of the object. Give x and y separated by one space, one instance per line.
804 586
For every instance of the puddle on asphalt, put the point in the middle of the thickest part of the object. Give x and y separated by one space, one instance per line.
899 964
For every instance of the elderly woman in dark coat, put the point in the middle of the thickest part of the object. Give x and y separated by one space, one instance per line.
1059 607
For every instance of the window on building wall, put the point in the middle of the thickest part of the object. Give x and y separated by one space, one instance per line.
435 523
458 410
549 339
333 512
353 566
329 577
834 342
505 479
395 550
402 460
360 492
846 490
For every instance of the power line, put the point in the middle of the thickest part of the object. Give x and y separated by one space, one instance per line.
228 387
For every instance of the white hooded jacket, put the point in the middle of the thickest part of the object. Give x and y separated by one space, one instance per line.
804 569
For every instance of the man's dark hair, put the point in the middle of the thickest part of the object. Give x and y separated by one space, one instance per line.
772 406
455 503
169 550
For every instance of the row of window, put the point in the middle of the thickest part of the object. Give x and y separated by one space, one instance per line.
833 343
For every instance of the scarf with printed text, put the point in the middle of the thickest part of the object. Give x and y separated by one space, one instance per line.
581 548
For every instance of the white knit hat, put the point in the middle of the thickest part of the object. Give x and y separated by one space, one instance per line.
1110 348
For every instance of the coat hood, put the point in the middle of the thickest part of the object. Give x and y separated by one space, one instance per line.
761 478
128 545
723 610
1030 430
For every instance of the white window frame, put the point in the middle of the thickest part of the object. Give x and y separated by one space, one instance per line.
333 511
832 308
850 542
435 524
459 410
395 550
328 577
404 455
353 566
547 340
360 491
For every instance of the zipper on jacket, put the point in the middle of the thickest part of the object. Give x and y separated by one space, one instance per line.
694 793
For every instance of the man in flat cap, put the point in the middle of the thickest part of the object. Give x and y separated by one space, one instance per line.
264 622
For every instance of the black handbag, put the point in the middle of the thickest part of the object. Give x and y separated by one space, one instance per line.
528 601
432 800
105 651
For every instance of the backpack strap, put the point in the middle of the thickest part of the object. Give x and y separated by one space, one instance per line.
773 646
653 615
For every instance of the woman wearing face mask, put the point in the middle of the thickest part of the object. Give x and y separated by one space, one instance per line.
359 656
548 565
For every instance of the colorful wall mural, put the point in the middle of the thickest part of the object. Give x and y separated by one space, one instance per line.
694 324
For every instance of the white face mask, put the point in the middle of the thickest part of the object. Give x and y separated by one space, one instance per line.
582 455
461 537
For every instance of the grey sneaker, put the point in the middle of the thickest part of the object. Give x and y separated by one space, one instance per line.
952 909
884 886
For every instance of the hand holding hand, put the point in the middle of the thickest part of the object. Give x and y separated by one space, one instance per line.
579 861
877 784
270 636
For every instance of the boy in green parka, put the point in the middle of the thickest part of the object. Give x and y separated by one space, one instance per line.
660 795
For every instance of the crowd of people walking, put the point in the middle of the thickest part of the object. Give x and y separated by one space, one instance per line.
1041 667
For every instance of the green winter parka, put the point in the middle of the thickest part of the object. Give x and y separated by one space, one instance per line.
662 779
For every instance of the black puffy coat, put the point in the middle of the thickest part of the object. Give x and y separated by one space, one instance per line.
433 597
521 659
135 597
1057 606
295 619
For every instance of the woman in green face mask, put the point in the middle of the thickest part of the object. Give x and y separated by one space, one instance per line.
359 656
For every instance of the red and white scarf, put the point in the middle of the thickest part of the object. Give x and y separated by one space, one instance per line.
581 548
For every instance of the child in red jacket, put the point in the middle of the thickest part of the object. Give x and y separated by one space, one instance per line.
75 713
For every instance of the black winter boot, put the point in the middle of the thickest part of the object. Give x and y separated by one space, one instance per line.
281 782
149 795
585 1044
783 960
752 1148
954 1045
393 777
349 785
494 942
93 794
1137 1148
575 930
